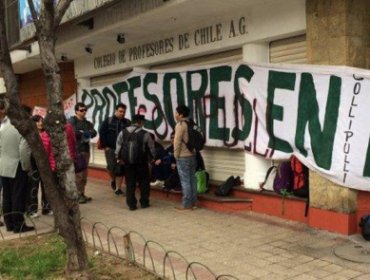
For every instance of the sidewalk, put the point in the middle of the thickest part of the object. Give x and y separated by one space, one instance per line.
246 245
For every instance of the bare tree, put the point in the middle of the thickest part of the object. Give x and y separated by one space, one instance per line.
63 194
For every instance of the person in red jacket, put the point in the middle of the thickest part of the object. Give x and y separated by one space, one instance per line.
35 176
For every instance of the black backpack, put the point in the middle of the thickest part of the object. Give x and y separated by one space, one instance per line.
365 227
132 149
225 188
195 136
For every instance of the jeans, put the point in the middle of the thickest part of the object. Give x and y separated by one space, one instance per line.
186 167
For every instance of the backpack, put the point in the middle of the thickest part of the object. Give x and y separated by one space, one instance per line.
365 227
268 183
99 144
172 182
202 181
225 188
300 178
195 135
132 149
283 181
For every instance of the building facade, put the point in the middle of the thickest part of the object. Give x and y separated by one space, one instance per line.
101 42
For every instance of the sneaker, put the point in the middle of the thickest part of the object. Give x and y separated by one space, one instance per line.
23 229
157 183
119 192
47 212
113 185
33 215
87 198
82 200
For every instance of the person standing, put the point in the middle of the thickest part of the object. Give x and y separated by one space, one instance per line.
84 131
134 147
185 160
14 164
34 179
108 133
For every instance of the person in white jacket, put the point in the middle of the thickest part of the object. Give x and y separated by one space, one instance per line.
14 163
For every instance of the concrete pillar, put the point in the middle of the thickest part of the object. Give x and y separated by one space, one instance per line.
338 33
255 167
82 83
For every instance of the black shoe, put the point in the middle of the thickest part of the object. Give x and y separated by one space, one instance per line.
1 224
9 228
119 192
113 185
145 206
87 198
133 208
23 229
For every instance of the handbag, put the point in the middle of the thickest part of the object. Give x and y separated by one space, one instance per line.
80 163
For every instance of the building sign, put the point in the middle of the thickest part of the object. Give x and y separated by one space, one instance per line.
200 37
320 114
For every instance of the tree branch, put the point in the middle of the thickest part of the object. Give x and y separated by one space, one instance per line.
34 14
6 66
60 10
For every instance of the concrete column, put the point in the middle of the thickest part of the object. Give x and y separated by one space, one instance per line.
255 167
82 83
338 33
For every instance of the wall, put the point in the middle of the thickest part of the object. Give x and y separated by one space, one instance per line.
33 90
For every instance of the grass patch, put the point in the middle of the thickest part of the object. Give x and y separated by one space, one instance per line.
44 257
34 258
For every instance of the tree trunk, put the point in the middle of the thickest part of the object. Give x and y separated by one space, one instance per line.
63 195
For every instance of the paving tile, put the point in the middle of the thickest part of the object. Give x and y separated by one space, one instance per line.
245 244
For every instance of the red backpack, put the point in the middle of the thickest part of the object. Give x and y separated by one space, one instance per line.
300 178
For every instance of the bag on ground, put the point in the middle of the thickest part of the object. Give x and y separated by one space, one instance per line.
225 188
202 181
132 149
300 178
283 181
196 138
172 182
80 163
365 227
268 183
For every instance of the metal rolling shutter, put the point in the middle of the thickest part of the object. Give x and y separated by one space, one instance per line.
97 156
220 162
290 50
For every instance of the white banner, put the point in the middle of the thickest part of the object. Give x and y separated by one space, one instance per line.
320 114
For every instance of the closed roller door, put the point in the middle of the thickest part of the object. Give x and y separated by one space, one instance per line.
97 156
292 50
220 162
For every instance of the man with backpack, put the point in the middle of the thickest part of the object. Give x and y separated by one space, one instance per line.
108 133
134 147
185 159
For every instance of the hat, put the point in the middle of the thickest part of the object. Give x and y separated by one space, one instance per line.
138 118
